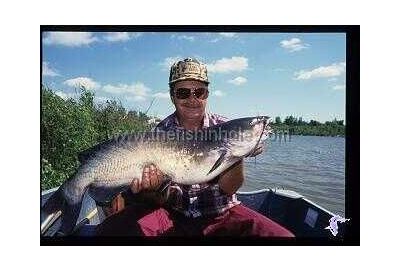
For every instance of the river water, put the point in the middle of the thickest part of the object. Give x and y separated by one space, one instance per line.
310 165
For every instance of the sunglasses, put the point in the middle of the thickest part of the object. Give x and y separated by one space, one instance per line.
184 93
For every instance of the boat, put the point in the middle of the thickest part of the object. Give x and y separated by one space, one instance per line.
303 217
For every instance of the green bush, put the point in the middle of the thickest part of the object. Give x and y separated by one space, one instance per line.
71 126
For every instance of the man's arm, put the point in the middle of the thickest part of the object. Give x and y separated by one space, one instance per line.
231 180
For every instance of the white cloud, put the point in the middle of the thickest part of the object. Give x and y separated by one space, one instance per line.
48 71
229 35
132 92
334 70
218 93
120 36
222 36
339 87
238 80
66 96
293 45
185 37
225 65
332 79
135 89
167 63
101 99
161 95
70 39
137 98
88 83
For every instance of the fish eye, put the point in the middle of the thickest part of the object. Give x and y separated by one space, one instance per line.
253 121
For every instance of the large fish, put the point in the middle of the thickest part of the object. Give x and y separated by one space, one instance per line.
185 157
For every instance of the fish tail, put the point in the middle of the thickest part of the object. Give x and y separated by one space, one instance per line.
57 206
51 210
70 215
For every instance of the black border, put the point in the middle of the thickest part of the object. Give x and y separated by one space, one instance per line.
352 171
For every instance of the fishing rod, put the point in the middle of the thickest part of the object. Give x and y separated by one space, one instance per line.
151 104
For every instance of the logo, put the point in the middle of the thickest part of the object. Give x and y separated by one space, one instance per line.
333 226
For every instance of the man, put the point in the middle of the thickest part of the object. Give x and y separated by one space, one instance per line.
195 210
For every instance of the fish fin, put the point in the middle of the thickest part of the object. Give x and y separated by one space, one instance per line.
86 154
92 151
218 162
104 195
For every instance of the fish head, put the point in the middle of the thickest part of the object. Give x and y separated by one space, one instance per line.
234 140
245 134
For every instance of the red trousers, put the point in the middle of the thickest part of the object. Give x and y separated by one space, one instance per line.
237 221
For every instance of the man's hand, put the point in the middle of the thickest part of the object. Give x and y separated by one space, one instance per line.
152 178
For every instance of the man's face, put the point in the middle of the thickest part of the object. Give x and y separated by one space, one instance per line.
191 108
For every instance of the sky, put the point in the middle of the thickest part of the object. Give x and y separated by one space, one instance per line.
274 74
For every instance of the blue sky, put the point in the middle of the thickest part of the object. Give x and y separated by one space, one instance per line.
275 74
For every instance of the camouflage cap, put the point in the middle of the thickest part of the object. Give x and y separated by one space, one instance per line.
188 69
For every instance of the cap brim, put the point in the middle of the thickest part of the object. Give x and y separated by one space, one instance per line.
189 78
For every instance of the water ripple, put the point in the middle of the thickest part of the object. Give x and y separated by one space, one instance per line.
310 165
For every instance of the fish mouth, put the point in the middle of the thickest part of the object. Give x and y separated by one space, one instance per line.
247 136
261 126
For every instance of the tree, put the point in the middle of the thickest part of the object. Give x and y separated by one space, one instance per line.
290 120
314 123
71 126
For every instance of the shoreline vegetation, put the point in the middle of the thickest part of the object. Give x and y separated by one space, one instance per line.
70 126
296 126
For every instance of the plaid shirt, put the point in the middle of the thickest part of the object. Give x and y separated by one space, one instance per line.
201 199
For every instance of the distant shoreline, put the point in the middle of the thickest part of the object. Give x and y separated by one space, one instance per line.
314 133
294 126
328 136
